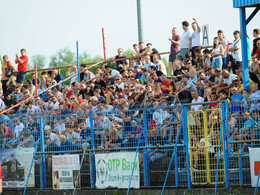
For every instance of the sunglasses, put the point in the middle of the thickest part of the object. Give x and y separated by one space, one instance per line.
72 98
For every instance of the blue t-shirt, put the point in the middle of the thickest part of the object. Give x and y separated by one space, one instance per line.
38 81
238 98
250 123
44 96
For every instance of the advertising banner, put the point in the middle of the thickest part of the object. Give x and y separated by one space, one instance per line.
65 169
16 166
254 154
114 170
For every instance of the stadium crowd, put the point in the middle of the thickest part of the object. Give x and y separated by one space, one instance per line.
116 96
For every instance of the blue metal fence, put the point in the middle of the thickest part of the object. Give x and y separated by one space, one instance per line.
165 139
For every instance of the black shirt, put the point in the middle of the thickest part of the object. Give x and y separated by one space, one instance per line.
154 52
101 83
179 73
254 44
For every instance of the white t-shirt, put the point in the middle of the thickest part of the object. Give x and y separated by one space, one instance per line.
217 50
237 55
195 39
115 73
2 104
60 128
199 100
122 85
224 43
229 80
55 105
55 139
185 39
18 129
33 110
157 65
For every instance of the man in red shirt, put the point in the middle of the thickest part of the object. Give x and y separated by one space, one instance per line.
165 84
22 62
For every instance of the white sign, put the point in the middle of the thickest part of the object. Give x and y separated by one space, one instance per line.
114 170
254 154
16 165
205 35
65 169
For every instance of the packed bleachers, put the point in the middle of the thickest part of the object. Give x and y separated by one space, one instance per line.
109 109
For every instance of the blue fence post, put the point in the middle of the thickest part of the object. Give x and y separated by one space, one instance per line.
186 142
91 154
240 166
146 153
176 163
43 169
225 138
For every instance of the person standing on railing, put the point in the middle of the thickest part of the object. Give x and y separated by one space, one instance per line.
175 47
22 62
5 76
185 42
195 37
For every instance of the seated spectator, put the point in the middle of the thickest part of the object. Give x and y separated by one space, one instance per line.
54 139
47 96
178 70
7 135
74 72
196 100
99 81
236 97
64 111
160 66
150 50
165 84
31 110
148 62
112 72
114 140
255 98
27 139
185 92
34 127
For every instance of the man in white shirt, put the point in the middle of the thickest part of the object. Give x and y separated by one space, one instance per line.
227 79
31 110
236 52
54 138
195 37
18 129
160 66
53 104
185 43
119 83
196 99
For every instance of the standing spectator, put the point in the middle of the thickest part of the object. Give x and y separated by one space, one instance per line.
257 51
217 54
224 43
7 64
22 67
185 42
195 37
256 35
175 47
236 53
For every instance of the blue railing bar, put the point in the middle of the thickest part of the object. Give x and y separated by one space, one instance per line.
219 147
225 139
82 159
31 166
257 182
134 162
175 145
240 165
57 83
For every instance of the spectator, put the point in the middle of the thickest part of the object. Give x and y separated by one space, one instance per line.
27 139
235 50
22 62
256 35
178 72
196 100
175 47
65 145
31 110
112 72
217 53
149 51
7 64
195 37
148 62
74 72
160 66
224 43
142 47
186 88
47 96
185 42
121 64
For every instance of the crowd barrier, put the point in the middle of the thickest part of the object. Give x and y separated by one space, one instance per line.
178 144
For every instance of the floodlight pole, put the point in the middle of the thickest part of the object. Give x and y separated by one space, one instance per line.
139 20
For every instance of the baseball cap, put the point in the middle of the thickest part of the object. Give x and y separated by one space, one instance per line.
236 31
47 127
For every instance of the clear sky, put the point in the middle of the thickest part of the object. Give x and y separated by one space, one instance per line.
45 26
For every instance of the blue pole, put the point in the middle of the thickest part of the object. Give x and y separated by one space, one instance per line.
146 154
257 182
31 167
137 149
176 168
225 138
242 11
92 156
81 165
77 47
43 170
240 165
186 142
219 146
